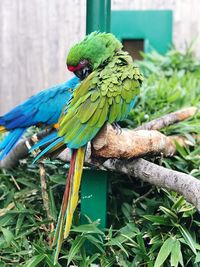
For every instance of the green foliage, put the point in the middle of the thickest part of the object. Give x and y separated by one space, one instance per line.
148 226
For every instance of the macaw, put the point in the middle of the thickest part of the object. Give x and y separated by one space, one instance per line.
107 91
42 109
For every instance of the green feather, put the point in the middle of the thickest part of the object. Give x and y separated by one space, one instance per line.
64 126
102 102
95 95
84 98
127 84
87 109
110 101
115 110
95 118
103 116
117 99
71 132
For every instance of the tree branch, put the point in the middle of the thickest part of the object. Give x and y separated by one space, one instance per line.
131 143
168 119
135 144
185 184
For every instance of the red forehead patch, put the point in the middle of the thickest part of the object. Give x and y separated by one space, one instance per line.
74 68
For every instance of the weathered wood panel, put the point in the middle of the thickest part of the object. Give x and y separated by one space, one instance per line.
34 39
36 35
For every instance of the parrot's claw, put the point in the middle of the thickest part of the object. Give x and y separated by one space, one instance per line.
117 128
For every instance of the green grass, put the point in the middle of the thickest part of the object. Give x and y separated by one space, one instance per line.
147 226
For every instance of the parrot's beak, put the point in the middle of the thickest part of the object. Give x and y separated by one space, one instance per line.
83 73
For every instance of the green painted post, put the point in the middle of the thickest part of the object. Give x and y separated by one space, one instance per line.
94 196
98 16
94 183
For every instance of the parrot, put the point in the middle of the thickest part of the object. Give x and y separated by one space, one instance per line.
109 83
42 109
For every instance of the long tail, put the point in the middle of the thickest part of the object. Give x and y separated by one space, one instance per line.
70 199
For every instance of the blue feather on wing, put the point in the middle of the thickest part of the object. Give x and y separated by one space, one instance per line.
43 108
10 141
48 148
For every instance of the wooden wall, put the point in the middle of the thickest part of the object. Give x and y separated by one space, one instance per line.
35 36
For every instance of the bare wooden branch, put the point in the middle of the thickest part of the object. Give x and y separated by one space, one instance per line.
185 184
168 119
134 144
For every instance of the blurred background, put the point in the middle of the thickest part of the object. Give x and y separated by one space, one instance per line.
36 35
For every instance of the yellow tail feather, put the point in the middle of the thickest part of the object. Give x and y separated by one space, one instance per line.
56 147
70 199
73 198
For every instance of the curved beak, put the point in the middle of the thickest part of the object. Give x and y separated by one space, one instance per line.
83 73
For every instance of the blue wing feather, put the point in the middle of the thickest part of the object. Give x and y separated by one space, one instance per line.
49 138
10 141
46 150
44 107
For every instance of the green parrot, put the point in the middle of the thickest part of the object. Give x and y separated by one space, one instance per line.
109 84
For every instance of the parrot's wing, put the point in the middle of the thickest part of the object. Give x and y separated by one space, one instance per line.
105 95
44 107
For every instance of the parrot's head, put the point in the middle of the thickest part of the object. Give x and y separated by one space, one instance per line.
93 52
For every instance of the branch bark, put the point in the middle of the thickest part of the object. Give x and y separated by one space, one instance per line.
131 143
185 184
168 119
135 144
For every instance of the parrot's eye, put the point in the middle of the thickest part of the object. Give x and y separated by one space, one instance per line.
83 70
83 62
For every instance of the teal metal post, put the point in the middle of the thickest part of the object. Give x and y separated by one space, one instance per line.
94 189
95 183
98 16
